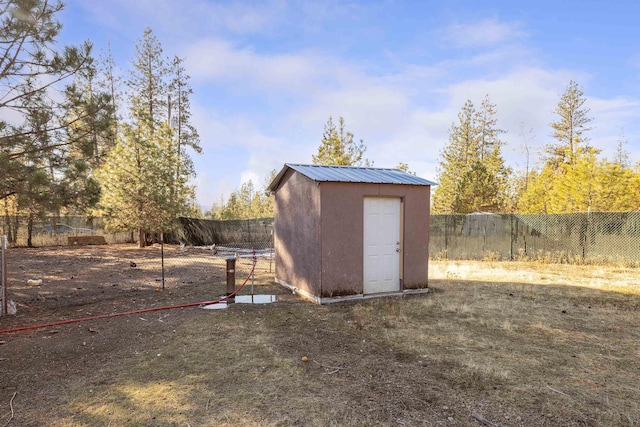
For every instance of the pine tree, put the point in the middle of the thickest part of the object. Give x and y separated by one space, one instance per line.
472 173
110 82
180 112
478 191
247 202
338 148
148 93
589 185
454 160
139 186
571 126
145 177
179 93
90 109
30 65
573 179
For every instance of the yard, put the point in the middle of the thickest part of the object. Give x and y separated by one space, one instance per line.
493 343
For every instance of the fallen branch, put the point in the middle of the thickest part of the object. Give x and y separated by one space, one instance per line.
483 420
11 406
333 369
557 391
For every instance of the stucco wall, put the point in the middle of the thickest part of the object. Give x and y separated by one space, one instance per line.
297 232
342 234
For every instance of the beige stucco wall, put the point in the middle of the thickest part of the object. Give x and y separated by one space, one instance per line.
297 233
342 234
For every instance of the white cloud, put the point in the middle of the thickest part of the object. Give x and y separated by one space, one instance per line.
190 18
402 116
402 109
306 73
484 33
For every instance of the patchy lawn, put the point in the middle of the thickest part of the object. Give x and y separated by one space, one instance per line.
504 344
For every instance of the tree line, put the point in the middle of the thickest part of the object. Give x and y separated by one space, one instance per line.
78 137
473 177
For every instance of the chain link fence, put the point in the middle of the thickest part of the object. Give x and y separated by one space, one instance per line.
180 264
599 237
66 230
62 278
57 230
65 275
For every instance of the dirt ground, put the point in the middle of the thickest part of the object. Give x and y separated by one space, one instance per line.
54 284
519 348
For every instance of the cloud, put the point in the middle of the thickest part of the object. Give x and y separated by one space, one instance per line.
403 115
484 33
191 18
268 74
609 119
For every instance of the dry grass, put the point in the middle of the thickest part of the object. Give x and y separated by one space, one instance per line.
518 344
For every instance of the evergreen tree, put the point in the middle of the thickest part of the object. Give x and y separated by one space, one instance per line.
455 160
91 111
472 174
30 65
570 128
180 112
536 197
111 83
139 185
338 148
478 191
148 93
247 202
145 177
589 185
180 92
573 179
488 133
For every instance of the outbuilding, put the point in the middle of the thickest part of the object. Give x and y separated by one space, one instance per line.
344 232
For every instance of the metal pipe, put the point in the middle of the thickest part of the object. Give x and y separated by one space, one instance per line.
255 259
231 276
162 255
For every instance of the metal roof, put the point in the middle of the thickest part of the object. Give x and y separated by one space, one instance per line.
325 173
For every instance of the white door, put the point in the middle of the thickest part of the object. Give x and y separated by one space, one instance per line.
381 245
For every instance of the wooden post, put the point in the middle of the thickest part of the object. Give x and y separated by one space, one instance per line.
231 276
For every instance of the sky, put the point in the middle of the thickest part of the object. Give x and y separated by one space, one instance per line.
267 75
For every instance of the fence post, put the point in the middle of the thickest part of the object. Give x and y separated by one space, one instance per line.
231 276
446 243
162 256
3 279
511 237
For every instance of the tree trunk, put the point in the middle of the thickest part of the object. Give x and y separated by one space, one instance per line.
142 241
29 230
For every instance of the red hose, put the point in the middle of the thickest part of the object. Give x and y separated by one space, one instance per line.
143 310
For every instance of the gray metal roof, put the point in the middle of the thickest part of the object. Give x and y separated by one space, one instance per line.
325 173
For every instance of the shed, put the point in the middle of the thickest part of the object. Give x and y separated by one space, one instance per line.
350 232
